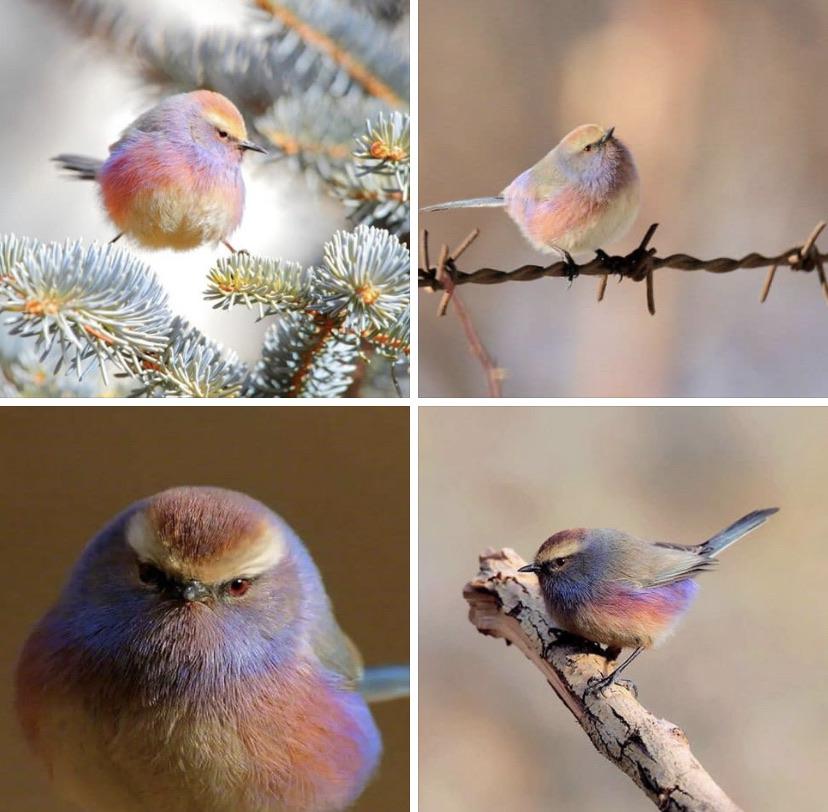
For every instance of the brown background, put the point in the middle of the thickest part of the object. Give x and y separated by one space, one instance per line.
339 476
744 674
725 107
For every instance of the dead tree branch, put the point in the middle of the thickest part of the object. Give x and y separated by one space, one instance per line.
639 265
653 752
494 373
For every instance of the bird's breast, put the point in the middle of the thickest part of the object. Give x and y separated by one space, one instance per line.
168 200
292 741
626 617
569 217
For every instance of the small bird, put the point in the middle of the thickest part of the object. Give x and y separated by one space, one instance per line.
193 664
582 195
622 592
173 179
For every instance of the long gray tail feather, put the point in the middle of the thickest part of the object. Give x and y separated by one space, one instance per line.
472 203
730 535
381 683
85 167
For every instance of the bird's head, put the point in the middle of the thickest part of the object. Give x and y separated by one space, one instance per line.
559 554
217 125
196 571
592 154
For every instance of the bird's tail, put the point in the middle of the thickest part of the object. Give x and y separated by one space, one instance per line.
384 682
472 203
730 535
85 167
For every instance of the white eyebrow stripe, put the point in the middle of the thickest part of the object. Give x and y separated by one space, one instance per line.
262 555
563 550
141 537
268 554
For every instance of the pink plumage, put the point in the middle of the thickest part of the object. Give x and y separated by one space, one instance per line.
193 664
173 179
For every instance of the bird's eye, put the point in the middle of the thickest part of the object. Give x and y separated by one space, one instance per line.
588 148
222 133
150 575
559 562
238 587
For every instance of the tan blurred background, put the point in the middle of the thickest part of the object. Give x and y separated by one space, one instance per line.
744 675
725 107
340 477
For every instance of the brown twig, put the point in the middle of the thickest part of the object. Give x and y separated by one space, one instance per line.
494 374
638 265
653 752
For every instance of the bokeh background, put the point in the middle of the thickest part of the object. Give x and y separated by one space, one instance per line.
66 93
725 107
744 675
340 477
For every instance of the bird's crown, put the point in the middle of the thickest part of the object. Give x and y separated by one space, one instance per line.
206 533
221 113
583 136
562 545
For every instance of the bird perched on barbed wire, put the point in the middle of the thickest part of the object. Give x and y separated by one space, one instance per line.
173 179
193 664
582 195
617 590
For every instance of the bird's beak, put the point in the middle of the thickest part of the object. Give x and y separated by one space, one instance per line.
529 568
607 135
192 591
245 145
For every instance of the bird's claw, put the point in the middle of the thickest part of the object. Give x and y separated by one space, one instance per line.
572 271
598 685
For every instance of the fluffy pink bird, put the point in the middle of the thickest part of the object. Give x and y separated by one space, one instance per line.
582 195
193 664
173 179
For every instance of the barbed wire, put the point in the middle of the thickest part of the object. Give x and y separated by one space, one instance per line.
639 265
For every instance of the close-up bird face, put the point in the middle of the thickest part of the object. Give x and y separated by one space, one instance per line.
589 147
202 571
560 555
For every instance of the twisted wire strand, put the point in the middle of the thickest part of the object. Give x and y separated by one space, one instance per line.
635 265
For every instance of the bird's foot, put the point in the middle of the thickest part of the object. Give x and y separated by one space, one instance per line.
600 686
241 251
572 270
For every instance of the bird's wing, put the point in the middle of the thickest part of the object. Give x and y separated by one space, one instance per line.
644 564
675 563
336 651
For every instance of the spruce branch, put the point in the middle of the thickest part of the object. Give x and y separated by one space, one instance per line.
347 40
71 298
305 355
364 279
272 285
192 366
305 43
315 131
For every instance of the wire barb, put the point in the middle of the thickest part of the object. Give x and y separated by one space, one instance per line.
639 266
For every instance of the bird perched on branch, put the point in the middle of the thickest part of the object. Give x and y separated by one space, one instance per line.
193 664
582 195
173 179
620 591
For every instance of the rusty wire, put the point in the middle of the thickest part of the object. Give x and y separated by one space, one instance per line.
639 265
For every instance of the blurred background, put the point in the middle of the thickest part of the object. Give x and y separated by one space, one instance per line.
67 471
744 674
725 108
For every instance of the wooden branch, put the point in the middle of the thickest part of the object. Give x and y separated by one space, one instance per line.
653 752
